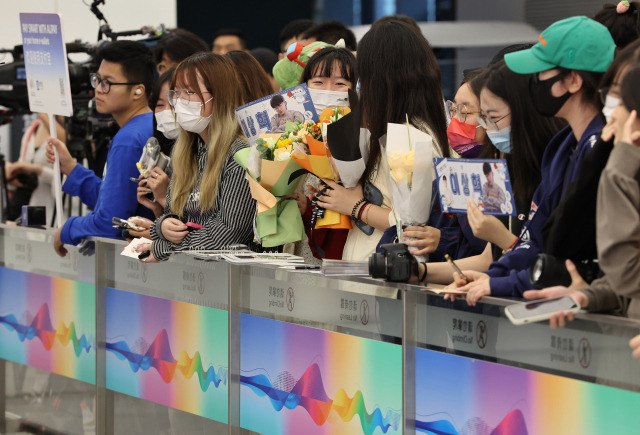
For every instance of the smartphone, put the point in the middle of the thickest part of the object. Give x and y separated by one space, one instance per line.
191 226
542 309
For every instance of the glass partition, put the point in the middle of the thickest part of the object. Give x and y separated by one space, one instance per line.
316 354
164 341
474 369
47 334
100 343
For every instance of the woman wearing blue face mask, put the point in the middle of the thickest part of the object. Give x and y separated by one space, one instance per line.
520 134
567 65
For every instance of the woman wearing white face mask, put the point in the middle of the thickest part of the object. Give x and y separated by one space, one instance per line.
166 131
329 75
207 188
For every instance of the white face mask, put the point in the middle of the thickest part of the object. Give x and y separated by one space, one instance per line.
325 99
167 124
188 115
610 104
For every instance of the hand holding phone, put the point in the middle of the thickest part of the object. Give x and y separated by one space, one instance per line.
540 309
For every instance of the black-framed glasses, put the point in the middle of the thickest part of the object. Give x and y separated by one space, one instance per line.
183 94
488 123
458 111
105 84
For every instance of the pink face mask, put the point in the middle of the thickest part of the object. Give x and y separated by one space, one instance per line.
462 138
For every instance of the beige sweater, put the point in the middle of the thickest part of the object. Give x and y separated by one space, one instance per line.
618 233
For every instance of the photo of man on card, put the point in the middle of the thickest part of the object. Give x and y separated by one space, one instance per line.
492 195
282 116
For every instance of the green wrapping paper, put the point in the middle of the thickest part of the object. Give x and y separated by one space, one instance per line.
280 224
278 221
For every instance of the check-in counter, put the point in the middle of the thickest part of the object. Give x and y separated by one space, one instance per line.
192 346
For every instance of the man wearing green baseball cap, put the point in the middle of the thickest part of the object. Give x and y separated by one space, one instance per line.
566 66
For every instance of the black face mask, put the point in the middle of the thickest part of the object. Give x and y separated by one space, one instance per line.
540 92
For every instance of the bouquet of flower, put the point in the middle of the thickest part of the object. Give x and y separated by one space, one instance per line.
316 158
278 220
409 155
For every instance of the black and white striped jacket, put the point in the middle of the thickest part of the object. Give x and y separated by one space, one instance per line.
231 220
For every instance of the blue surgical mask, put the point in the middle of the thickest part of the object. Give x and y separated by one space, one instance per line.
358 87
501 139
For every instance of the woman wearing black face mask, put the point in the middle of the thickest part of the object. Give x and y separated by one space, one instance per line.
567 64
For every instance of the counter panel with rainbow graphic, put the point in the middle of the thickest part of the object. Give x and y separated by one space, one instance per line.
168 352
295 379
48 323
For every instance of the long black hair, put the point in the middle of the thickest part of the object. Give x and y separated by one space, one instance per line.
399 76
322 63
530 131
630 89
624 28
626 57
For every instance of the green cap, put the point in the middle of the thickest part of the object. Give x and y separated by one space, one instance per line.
577 43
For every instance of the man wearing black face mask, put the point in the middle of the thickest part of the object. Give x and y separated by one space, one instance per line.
566 66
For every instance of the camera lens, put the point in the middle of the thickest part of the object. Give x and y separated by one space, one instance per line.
536 270
377 266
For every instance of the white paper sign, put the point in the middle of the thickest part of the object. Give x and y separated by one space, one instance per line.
45 59
47 70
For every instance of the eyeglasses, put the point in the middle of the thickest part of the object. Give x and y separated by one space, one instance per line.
488 123
104 83
606 91
184 95
458 111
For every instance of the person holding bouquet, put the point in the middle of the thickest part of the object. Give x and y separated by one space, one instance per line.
329 74
389 94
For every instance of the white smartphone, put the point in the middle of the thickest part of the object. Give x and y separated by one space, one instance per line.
541 309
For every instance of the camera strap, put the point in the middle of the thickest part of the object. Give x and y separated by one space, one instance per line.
318 213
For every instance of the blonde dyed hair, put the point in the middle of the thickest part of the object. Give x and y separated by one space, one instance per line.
220 79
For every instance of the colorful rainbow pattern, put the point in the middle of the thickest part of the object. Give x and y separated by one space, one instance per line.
461 395
341 377
67 350
159 357
142 330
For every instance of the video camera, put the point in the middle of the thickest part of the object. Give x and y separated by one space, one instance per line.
86 125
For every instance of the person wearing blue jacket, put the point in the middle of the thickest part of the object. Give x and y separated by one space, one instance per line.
121 84
566 66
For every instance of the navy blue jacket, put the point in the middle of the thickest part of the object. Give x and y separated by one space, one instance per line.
510 274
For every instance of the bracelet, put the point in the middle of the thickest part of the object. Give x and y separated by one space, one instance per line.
355 207
424 275
366 216
511 246
364 205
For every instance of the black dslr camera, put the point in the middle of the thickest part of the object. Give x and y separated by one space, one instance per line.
547 270
395 263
